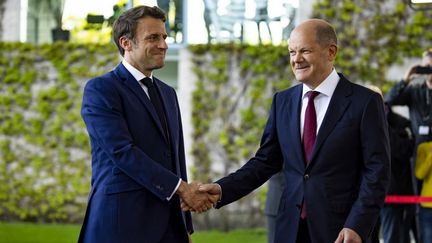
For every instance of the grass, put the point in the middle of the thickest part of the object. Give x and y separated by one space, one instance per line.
235 236
59 233
35 233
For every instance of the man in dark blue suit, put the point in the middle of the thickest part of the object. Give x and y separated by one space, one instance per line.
138 161
330 139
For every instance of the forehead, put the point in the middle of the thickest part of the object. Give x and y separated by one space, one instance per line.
149 25
302 39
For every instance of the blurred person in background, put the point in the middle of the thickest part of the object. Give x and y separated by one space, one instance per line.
415 92
397 219
423 171
417 96
274 194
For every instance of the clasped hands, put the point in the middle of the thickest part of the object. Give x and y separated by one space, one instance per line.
197 197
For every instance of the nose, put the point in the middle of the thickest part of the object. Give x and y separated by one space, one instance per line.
163 44
296 58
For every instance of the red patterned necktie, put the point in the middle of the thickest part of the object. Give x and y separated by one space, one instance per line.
310 125
309 133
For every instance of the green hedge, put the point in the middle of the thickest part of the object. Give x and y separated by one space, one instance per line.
44 147
230 106
374 35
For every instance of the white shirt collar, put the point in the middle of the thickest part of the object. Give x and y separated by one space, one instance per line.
135 72
327 87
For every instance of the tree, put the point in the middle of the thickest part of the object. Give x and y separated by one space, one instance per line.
1 17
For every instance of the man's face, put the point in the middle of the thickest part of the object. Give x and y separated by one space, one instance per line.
147 52
311 63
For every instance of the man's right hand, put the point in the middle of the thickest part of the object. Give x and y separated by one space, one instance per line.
410 74
195 200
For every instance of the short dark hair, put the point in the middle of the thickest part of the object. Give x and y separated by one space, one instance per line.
127 23
325 34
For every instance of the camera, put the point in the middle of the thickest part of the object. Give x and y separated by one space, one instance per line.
423 69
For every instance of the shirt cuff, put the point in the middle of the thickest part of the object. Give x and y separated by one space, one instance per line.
175 189
220 189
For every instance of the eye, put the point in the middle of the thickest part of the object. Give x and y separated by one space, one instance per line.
153 37
292 53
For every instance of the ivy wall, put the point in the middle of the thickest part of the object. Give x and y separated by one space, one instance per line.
232 97
44 148
374 35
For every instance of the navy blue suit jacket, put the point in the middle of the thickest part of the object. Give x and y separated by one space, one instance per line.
134 170
345 182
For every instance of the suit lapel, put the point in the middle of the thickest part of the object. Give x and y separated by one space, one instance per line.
296 100
137 90
290 123
169 107
337 107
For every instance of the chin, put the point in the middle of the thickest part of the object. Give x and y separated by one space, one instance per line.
301 78
158 66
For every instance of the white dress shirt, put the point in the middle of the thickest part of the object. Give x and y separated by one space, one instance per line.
138 75
322 101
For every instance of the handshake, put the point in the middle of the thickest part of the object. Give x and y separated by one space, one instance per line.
197 197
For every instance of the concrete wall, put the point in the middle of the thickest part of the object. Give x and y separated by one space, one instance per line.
186 84
11 23
304 10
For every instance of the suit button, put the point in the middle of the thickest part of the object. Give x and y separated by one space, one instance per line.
306 177
159 187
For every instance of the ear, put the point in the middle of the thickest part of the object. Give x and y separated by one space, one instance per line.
125 43
332 49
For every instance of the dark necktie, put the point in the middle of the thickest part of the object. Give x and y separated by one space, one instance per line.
310 125
157 103
309 133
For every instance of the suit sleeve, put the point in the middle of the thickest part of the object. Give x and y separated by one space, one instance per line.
401 141
376 168
106 125
266 162
400 94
